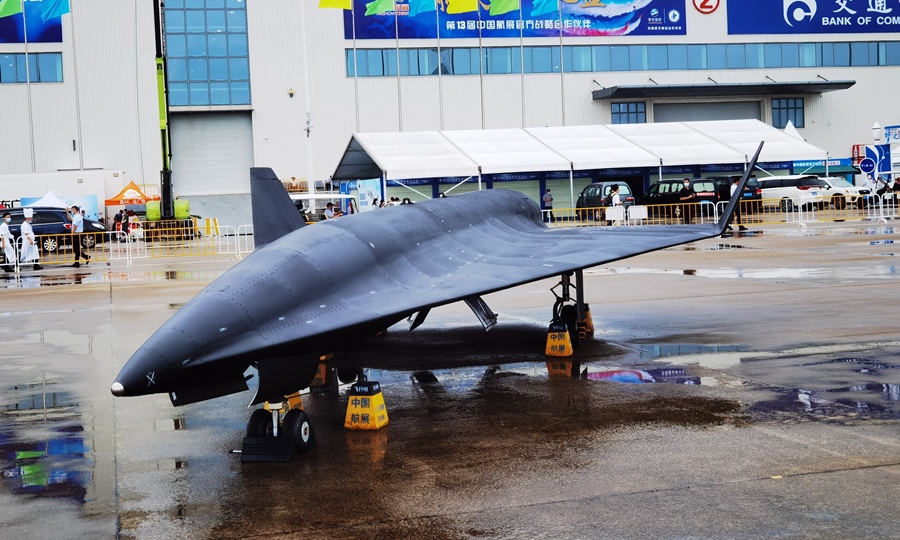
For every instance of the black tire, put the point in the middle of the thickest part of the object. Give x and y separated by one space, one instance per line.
787 205
260 423
88 241
839 202
569 316
49 244
347 375
296 426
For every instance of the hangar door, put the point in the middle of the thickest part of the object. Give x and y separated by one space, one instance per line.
723 110
211 153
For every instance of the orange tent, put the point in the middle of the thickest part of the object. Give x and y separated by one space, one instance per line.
132 194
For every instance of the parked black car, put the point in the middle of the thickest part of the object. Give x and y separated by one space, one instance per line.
593 196
666 191
52 226
752 192
663 199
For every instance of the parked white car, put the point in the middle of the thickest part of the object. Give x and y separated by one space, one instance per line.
843 192
806 191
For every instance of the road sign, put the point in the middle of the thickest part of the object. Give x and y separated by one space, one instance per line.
706 6
867 165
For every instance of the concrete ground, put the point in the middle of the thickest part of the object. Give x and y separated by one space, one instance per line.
775 410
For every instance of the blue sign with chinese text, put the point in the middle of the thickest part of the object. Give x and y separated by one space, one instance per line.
813 16
429 19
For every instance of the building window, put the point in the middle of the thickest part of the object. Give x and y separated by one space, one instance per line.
787 109
581 58
32 67
629 113
207 52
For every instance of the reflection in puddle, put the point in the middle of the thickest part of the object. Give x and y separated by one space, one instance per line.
650 351
54 464
26 281
676 375
845 273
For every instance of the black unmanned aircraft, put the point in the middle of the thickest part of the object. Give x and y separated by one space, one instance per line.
308 291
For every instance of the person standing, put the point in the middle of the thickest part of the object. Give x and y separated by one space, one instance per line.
77 233
548 206
7 243
686 195
737 209
29 241
330 212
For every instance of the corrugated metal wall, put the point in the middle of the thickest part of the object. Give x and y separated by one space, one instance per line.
111 114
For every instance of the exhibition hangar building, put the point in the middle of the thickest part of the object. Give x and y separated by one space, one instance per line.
286 84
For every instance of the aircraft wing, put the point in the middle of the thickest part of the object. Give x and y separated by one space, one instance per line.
321 288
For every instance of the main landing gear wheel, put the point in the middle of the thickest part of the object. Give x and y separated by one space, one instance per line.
296 426
569 316
260 424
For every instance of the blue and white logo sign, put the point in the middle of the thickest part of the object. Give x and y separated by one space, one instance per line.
799 10
867 165
813 16
674 16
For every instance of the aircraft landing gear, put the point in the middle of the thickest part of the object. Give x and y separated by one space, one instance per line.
278 432
576 317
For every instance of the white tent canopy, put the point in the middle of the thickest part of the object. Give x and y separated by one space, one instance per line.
49 201
430 154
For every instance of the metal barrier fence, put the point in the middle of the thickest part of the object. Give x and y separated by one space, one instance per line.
140 243
189 239
246 243
752 212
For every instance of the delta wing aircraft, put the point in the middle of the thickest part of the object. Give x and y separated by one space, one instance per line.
307 291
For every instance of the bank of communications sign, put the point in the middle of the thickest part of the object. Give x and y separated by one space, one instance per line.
425 19
813 16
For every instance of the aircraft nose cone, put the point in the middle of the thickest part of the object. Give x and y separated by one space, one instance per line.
117 389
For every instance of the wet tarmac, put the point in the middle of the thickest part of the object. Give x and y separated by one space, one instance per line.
747 387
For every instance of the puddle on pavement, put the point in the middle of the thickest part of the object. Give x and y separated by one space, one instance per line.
811 383
41 279
43 446
847 273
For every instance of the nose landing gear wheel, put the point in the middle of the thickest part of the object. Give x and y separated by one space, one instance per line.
296 426
260 424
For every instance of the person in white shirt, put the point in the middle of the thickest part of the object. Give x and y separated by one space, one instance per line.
330 213
7 243
29 241
77 220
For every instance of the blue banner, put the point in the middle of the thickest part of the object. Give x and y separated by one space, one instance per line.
813 16
44 23
535 18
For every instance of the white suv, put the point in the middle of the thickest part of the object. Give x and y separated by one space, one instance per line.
843 193
794 191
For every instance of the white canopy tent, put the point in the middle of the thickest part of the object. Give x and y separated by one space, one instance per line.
470 153
49 201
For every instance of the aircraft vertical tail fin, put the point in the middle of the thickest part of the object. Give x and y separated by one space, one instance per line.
274 213
739 192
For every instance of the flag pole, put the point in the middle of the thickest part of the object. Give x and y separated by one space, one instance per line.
562 65
28 86
355 62
397 50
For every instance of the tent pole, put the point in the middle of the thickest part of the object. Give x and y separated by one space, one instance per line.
572 184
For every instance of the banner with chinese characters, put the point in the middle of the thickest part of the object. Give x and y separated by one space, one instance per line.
448 19
813 16
32 21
